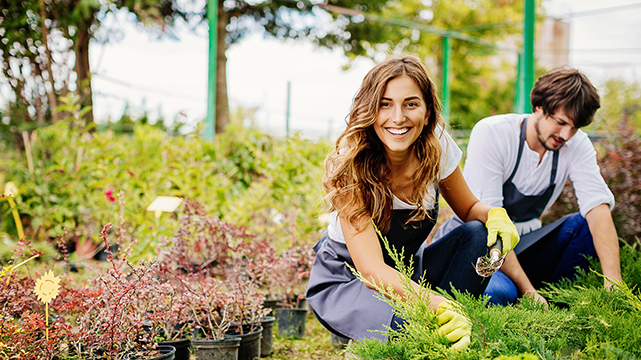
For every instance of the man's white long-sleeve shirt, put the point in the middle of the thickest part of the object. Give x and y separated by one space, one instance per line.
492 153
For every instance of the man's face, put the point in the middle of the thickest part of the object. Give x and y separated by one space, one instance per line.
553 130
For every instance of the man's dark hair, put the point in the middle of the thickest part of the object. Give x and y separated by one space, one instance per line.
568 90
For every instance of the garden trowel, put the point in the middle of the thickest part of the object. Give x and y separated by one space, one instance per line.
489 264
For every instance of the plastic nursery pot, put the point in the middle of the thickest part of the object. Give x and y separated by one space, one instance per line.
249 348
182 348
271 304
226 349
102 255
167 352
338 342
267 341
291 322
303 304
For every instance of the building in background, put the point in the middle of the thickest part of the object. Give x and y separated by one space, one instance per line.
552 48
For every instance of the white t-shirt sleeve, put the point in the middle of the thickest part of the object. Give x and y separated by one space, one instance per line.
589 185
451 154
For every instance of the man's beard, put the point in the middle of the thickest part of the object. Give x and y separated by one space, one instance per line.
543 142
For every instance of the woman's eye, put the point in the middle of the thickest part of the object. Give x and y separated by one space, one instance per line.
412 104
385 104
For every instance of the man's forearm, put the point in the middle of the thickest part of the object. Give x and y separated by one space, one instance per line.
513 270
606 240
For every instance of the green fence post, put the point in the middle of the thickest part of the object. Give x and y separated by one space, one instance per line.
528 54
212 18
446 82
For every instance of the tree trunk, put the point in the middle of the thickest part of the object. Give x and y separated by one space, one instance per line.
81 67
222 102
39 82
51 94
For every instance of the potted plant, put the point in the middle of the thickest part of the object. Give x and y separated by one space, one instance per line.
211 316
169 319
113 311
245 303
290 276
201 246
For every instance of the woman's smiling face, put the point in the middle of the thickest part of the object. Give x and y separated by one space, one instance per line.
402 114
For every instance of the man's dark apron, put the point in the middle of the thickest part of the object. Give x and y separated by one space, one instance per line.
522 208
341 301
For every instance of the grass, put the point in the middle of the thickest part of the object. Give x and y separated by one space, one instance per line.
315 345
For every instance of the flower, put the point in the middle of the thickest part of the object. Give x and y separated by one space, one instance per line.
47 287
109 194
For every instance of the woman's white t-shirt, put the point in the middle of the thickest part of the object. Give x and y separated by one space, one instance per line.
450 159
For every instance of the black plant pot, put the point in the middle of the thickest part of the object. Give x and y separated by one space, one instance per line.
249 348
182 348
291 322
167 352
226 349
267 341
102 255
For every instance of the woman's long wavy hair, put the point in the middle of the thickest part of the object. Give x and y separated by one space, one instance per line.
356 170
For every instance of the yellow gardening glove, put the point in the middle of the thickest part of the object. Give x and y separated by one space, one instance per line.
455 326
498 223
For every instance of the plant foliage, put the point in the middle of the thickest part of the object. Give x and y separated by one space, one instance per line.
587 322
267 184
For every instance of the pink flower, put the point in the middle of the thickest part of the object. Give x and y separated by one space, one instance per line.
109 194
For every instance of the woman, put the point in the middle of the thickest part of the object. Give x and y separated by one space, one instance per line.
388 167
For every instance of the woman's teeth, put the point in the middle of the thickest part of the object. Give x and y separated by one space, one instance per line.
398 131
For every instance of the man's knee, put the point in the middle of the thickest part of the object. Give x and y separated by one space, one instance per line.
501 290
581 237
577 223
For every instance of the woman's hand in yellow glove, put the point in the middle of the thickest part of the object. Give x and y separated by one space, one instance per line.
499 224
455 326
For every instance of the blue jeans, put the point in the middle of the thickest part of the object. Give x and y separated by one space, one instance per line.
550 259
449 262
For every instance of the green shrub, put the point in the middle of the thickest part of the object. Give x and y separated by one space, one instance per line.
584 321
268 184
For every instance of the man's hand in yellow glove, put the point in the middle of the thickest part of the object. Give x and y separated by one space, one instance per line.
499 224
455 326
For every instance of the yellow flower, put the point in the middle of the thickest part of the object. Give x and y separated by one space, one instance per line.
47 287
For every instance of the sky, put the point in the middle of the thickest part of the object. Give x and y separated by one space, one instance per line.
169 77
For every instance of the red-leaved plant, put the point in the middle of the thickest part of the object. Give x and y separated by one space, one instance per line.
114 323
217 268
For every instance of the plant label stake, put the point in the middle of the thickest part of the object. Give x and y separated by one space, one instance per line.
10 268
489 264
11 191
47 289
164 204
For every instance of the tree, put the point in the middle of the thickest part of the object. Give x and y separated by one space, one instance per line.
45 49
278 19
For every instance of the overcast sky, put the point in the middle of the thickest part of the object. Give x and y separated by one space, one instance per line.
171 76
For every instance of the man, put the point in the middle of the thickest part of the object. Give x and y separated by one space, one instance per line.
521 162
